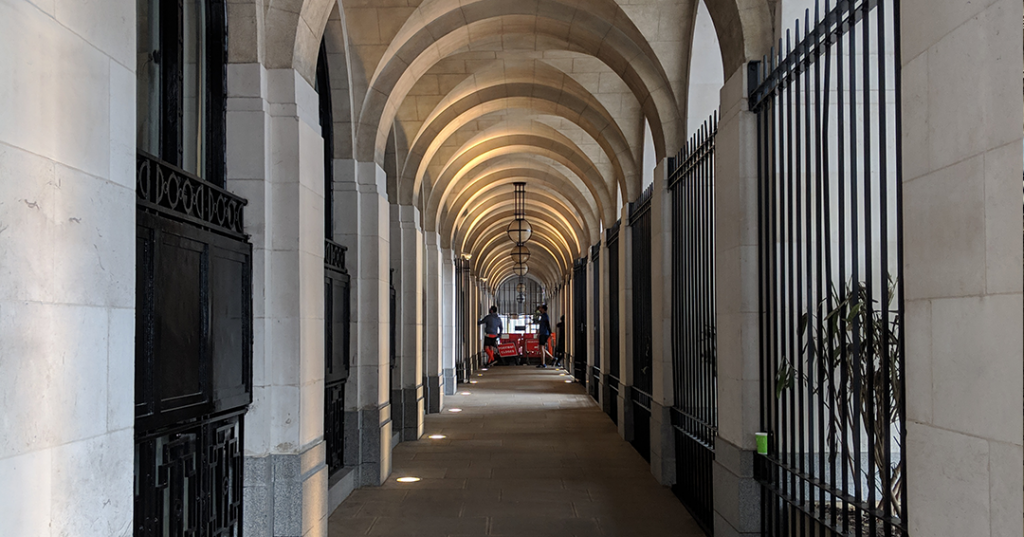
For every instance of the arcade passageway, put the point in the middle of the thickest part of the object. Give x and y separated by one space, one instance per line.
529 455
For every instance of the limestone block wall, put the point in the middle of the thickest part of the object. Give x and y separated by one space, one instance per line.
67 267
962 157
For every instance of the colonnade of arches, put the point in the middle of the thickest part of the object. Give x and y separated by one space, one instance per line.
326 258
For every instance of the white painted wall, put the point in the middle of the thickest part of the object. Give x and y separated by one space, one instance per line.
67 267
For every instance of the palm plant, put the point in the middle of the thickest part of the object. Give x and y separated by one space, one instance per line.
853 350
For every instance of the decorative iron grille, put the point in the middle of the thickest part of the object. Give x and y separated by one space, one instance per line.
643 374
164 189
832 386
337 361
694 334
193 352
188 479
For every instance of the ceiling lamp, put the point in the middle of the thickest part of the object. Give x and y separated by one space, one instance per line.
520 230
520 254
520 269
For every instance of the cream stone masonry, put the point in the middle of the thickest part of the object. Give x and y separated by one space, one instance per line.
432 369
737 495
67 280
962 270
363 216
407 261
447 292
663 454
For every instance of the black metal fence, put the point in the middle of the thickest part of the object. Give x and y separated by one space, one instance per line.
594 382
611 404
830 289
579 320
337 361
694 334
643 323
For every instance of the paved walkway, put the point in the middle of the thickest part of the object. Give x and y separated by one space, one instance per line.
529 455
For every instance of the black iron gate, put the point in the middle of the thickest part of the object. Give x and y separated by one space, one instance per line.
595 369
694 334
396 391
830 289
643 333
337 314
193 353
579 320
611 405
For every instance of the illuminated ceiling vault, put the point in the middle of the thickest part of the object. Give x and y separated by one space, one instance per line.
458 99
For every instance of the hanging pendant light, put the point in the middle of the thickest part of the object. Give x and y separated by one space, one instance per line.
520 254
519 229
520 269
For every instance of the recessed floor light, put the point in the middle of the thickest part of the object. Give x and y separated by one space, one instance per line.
472 382
465 393
437 436
484 369
409 479
568 382
479 374
454 410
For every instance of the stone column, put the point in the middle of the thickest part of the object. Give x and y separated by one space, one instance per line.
274 153
432 324
67 268
663 455
362 217
407 251
737 494
625 292
447 287
962 266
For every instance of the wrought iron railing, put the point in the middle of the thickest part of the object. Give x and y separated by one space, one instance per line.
694 334
611 403
643 323
829 196
169 191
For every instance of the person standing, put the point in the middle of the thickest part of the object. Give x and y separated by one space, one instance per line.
543 333
492 331
560 342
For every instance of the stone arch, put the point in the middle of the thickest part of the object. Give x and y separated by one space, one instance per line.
544 219
481 190
544 91
531 138
440 27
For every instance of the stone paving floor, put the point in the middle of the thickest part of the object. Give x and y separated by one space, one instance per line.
529 455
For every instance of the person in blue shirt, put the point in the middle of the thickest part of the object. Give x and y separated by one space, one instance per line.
543 333
492 331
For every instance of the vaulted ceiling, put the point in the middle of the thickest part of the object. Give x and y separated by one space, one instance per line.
458 99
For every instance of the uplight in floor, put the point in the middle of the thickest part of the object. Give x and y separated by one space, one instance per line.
465 393
408 479
472 382
454 410
437 437
568 382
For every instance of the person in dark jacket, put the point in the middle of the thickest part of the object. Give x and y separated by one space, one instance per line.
543 333
492 331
